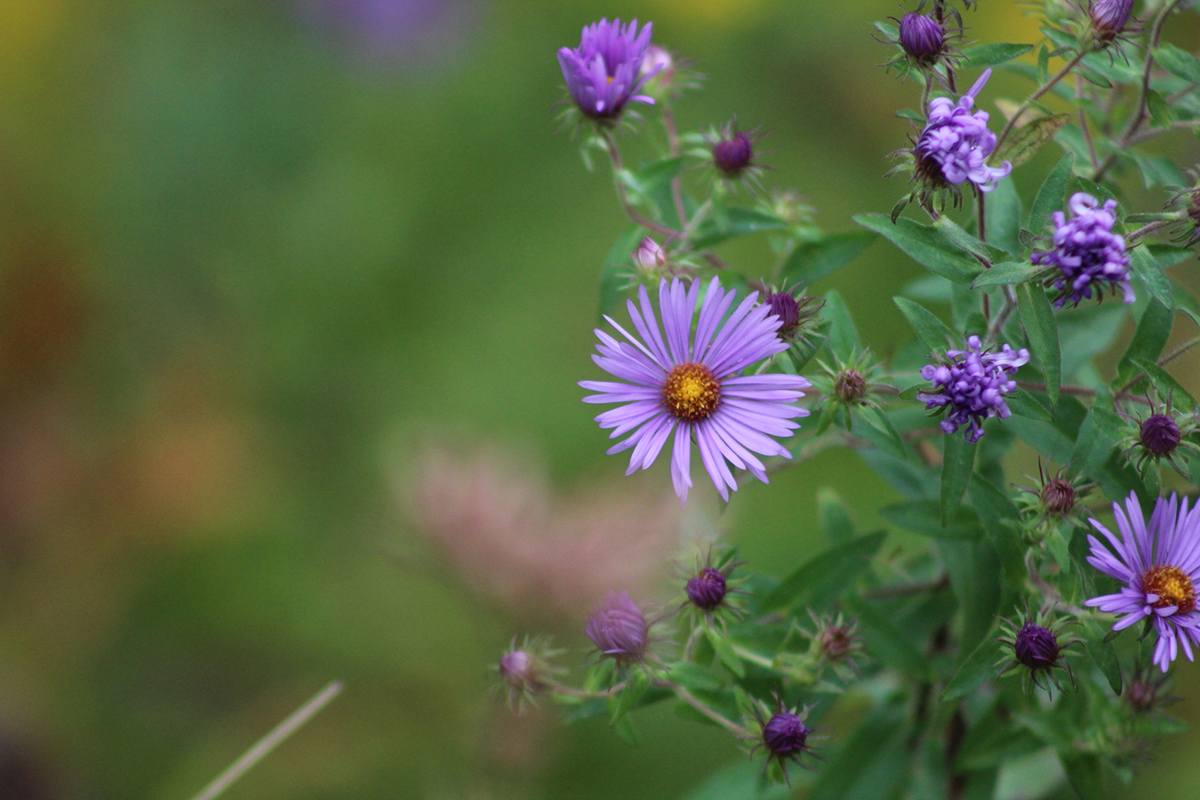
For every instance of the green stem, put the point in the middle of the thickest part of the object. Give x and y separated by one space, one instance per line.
1045 87
691 700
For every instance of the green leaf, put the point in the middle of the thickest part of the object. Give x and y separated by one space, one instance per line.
1052 194
742 780
1004 217
1165 384
1037 315
1084 771
811 261
998 513
618 269
960 239
880 431
1148 271
736 222
1023 404
925 245
692 676
958 462
932 332
843 337
989 55
626 732
1157 170
1160 112
825 577
925 517
1008 273
833 518
978 668
1105 656
974 571
1025 142
1153 330
635 687
871 763
887 642
1178 62
725 652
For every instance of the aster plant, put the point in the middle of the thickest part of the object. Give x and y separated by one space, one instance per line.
704 352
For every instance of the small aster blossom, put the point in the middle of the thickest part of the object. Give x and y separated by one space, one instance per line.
619 629
1086 252
972 386
1159 563
606 71
922 38
956 143
691 384
649 255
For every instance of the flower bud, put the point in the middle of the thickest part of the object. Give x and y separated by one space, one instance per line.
659 63
784 306
1159 434
707 589
1036 647
521 671
836 643
733 153
785 734
649 255
1109 18
850 386
1058 496
618 628
922 38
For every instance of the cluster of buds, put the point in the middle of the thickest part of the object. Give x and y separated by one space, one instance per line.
1036 649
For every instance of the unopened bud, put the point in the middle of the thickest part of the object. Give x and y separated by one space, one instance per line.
785 734
1036 647
922 38
658 62
784 306
707 589
850 386
1109 17
649 255
732 154
1058 496
618 628
521 671
1159 434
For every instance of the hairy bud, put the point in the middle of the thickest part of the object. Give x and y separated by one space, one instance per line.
1058 496
1109 18
922 38
850 386
785 734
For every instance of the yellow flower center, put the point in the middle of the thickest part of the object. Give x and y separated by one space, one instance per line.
691 392
1173 587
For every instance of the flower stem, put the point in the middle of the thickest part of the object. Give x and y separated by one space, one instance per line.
265 745
691 700
1041 90
584 693
614 155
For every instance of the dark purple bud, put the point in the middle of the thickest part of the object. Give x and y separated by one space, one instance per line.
784 306
922 38
1159 434
1142 695
1058 496
784 734
732 155
520 670
618 628
707 589
836 642
1109 17
850 386
1036 647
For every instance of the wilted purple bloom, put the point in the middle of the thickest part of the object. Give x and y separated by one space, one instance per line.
1159 563
972 386
692 384
1036 647
922 38
618 628
1087 252
1109 17
785 734
707 589
605 72
956 142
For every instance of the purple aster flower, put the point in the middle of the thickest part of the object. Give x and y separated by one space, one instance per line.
1159 563
955 143
922 38
618 628
605 72
1087 252
972 386
1109 17
692 384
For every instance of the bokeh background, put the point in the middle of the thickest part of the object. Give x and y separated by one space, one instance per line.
295 292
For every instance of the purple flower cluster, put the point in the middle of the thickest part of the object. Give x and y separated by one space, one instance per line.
606 71
956 142
1159 563
972 386
1087 252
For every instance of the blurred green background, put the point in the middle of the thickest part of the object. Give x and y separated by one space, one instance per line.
248 251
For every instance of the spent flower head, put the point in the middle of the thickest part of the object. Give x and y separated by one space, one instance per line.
1087 256
970 386
606 71
692 385
1158 561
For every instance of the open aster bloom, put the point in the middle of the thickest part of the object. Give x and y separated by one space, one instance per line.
1159 563
606 71
694 386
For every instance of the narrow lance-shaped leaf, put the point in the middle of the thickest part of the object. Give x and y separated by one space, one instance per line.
1148 271
1037 315
1025 142
826 576
1153 330
812 261
843 337
925 245
1052 194
932 332
958 461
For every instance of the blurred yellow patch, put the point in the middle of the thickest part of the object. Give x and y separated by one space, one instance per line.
26 24
701 13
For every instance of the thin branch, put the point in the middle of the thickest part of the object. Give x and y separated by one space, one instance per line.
269 742
614 155
1083 125
1045 87
1149 228
585 693
690 699
1178 351
905 589
668 118
1083 391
